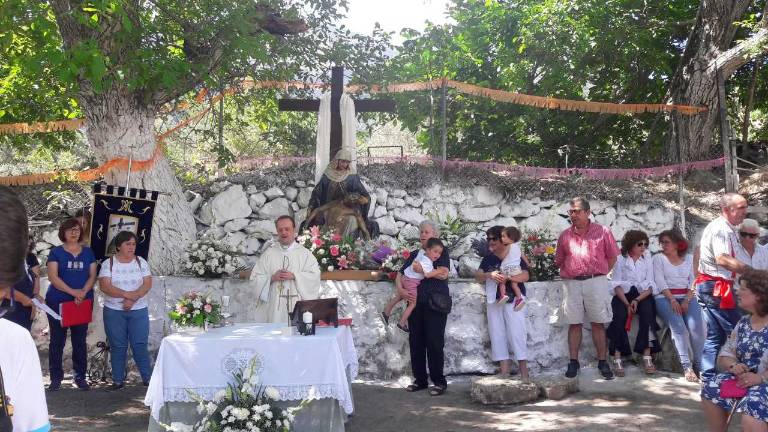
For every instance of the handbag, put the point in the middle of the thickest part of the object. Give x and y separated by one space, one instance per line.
6 411
730 389
440 302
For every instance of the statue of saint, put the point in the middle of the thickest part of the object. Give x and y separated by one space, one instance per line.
340 201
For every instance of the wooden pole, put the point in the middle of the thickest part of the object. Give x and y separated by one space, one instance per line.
443 105
680 184
731 183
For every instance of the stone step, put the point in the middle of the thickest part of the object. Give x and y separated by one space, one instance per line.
495 390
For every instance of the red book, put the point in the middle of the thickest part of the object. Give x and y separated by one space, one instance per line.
73 314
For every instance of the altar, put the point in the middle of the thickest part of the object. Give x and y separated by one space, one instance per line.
317 368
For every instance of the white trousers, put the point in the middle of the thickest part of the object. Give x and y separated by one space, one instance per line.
507 331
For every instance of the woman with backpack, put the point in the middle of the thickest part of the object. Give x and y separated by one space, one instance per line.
125 280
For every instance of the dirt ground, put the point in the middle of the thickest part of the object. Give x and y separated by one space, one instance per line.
664 402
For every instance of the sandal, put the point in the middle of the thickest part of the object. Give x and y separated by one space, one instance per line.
618 367
403 328
691 376
414 388
437 390
648 365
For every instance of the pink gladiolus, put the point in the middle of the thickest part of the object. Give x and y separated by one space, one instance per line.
318 242
208 308
335 237
343 262
334 250
315 231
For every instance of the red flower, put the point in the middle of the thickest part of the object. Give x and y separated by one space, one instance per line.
392 275
335 237
532 238
318 242
334 250
343 262
406 254
682 246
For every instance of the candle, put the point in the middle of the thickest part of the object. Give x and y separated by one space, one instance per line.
307 317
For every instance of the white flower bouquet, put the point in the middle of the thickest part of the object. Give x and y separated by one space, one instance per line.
195 310
210 258
244 406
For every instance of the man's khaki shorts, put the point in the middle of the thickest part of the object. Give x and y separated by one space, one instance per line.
587 301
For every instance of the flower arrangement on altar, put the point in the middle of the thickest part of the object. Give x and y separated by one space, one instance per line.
244 406
539 246
195 310
211 258
332 250
394 261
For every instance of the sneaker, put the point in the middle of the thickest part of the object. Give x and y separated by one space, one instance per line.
519 303
605 369
503 300
573 369
115 387
54 386
82 384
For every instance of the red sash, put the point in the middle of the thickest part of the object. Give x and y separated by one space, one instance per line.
723 289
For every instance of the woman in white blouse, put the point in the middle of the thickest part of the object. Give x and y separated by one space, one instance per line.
632 284
676 303
750 252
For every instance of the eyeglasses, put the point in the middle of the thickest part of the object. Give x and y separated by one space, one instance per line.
750 235
574 211
641 244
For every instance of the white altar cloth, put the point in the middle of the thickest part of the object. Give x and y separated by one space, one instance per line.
299 367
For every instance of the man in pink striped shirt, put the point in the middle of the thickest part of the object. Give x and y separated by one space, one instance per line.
586 253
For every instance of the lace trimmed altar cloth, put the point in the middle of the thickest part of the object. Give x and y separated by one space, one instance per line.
299 367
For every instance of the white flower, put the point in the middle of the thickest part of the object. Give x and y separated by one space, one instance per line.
330 268
210 408
272 393
180 427
219 396
200 407
200 271
268 415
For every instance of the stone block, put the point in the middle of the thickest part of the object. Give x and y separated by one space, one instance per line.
556 387
274 192
387 225
408 214
522 208
236 225
291 193
493 390
398 193
302 199
252 189
487 196
257 200
230 204
300 184
194 200
261 229
51 237
479 214
381 195
414 200
275 208
393 203
379 212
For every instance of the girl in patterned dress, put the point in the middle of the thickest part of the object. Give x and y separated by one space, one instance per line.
744 357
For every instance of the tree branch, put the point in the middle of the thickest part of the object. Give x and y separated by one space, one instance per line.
746 50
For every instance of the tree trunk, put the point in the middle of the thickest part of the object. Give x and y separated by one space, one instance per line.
121 125
745 149
709 50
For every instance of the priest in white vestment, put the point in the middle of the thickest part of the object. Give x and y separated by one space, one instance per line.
285 273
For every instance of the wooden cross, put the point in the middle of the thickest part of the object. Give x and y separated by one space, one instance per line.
337 88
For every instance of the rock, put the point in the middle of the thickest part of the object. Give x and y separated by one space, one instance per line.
275 208
274 192
372 205
236 225
234 240
217 187
251 245
257 200
468 265
214 233
464 245
442 209
633 208
194 200
408 234
522 208
295 207
600 206
300 216
414 200
454 196
41 246
387 225
501 221
230 204
251 189
302 199
607 217
479 214
398 193
379 212
381 195
300 184
621 225
206 214
261 229
408 214
400 224
492 390
393 203
547 220
432 192
547 203
487 196
556 387
51 237
291 192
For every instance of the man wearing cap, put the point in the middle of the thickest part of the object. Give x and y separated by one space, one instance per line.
338 181
586 253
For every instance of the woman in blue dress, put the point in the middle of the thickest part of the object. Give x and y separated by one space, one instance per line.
744 357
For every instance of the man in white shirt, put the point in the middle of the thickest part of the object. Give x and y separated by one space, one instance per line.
19 362
718 269
285 273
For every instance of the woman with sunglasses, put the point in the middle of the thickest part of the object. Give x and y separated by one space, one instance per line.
750 252
633 285
676 302
72 273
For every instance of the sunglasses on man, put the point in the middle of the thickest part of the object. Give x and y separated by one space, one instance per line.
747 234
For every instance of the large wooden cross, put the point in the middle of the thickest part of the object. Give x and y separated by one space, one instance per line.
337 88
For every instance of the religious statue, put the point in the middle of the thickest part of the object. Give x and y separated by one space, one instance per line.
340 201
284 274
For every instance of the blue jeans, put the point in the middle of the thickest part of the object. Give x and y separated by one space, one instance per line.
58 338
124 328
720 324
688 332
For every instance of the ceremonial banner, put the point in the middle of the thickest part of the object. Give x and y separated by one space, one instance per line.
116 209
